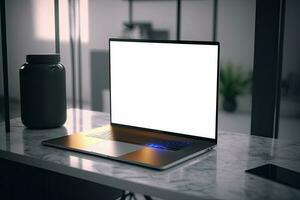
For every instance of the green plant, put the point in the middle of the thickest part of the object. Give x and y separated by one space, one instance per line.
233 81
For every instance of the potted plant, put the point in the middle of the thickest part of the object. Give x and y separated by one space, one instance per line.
233 82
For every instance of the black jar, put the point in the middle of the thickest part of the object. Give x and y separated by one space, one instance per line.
43 91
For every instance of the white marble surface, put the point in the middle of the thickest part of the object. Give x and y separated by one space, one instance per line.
218 174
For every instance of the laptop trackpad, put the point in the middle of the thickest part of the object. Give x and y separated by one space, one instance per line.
112 148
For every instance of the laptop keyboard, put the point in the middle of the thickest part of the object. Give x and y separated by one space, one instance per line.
157 144
169 145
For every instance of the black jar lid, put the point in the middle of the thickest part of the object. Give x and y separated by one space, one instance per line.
43 58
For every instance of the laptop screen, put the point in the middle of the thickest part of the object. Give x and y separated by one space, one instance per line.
165 86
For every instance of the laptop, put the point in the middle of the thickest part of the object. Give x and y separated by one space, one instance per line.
163 104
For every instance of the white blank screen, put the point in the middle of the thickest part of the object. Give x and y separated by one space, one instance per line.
164 86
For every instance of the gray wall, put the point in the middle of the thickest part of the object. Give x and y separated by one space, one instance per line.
1 69
1 86
289 127
106 18
236 21
236 31
291 48
21 39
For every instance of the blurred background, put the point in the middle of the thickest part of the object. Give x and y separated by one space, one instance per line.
86 25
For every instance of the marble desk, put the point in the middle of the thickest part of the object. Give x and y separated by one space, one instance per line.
218 174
